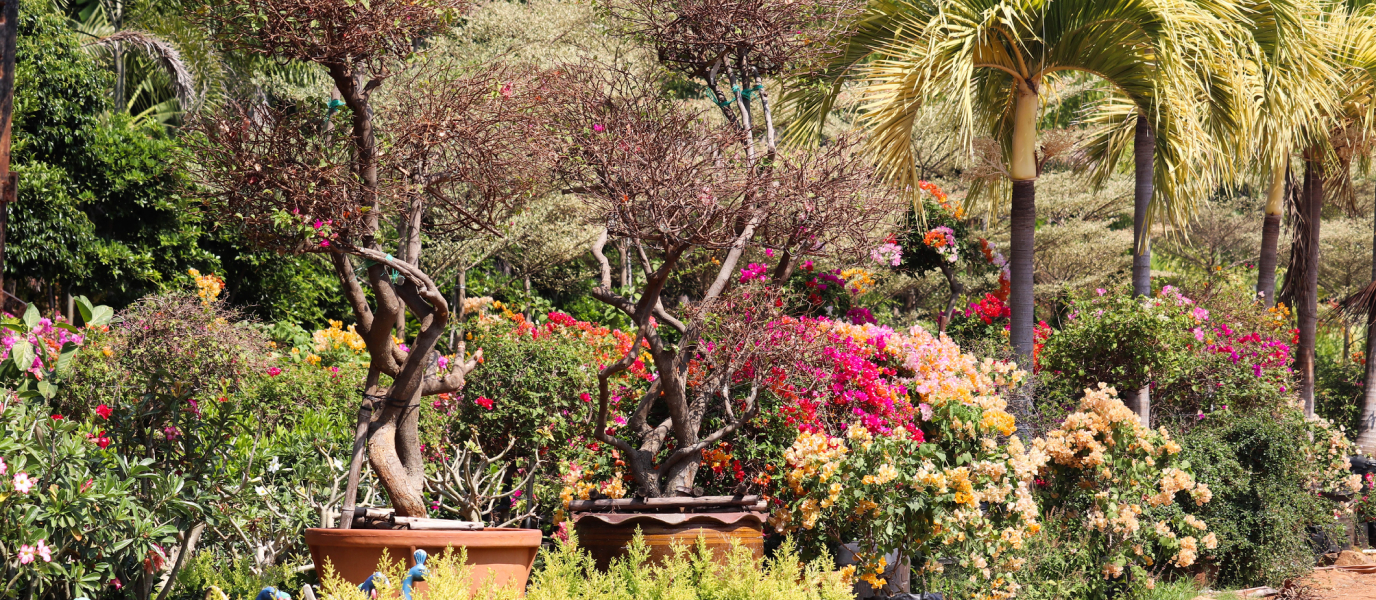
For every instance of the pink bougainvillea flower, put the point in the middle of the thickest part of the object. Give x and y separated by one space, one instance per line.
598 127
25 554
324 243
585 397
1101 291
171 432
3 467
274 371
104 411
44 552
442 363
116 583
484 402
22 482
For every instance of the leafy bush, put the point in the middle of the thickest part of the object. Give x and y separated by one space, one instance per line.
568 573
1122 491
1197 357
1266 469
68 517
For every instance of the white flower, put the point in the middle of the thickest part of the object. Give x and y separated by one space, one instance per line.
262 491
274 466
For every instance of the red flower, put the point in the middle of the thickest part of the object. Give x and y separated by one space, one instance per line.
484 402
104 411
57 417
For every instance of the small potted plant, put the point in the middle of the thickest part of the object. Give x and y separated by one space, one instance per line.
408 150
688 196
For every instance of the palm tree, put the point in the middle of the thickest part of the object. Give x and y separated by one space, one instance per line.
1291 74
994 58
1329 143
1354 139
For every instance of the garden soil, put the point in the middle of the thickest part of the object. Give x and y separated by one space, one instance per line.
1343 583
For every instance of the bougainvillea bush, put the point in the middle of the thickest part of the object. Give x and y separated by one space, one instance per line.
1197 357
1126 492
901 450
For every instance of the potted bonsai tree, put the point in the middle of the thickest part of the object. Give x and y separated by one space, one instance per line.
692 195
411 151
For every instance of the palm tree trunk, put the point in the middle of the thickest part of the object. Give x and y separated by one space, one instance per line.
1020 298
1144 154
1270 236
1307 292
1366 427
1022 169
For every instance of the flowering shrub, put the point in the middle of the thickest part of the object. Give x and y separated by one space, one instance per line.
1197 358
941 238
848 293
36 352
1267 469
536 385
901 451
1123 482
66 517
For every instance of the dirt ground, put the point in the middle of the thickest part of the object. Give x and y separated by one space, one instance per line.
1343 583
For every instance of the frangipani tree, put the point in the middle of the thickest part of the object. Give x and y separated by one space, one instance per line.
442 154
995 58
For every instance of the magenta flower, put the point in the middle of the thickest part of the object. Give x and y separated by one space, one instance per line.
274 371
598 127
324 243
104 411
585 397
442 363
44 552
3 467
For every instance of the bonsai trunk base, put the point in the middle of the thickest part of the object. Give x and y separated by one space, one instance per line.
665 524
506 555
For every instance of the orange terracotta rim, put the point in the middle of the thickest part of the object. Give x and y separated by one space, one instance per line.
491 537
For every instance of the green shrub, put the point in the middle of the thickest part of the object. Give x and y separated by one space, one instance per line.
1264 471
68 523
568 573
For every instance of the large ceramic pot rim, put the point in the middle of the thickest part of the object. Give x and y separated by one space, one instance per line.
730 518
491 537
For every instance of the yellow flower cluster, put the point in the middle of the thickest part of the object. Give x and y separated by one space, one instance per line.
337 338
998 420
858 280
208 287
813 455
1104 452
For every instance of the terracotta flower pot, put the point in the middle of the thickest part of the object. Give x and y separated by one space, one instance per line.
503 553
608 535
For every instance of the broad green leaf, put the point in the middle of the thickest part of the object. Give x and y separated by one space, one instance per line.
31 316
22 353
83 305
101 315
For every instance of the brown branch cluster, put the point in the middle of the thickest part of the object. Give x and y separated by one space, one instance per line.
478 147
661 175
328 32
766 37
468 151
277 175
